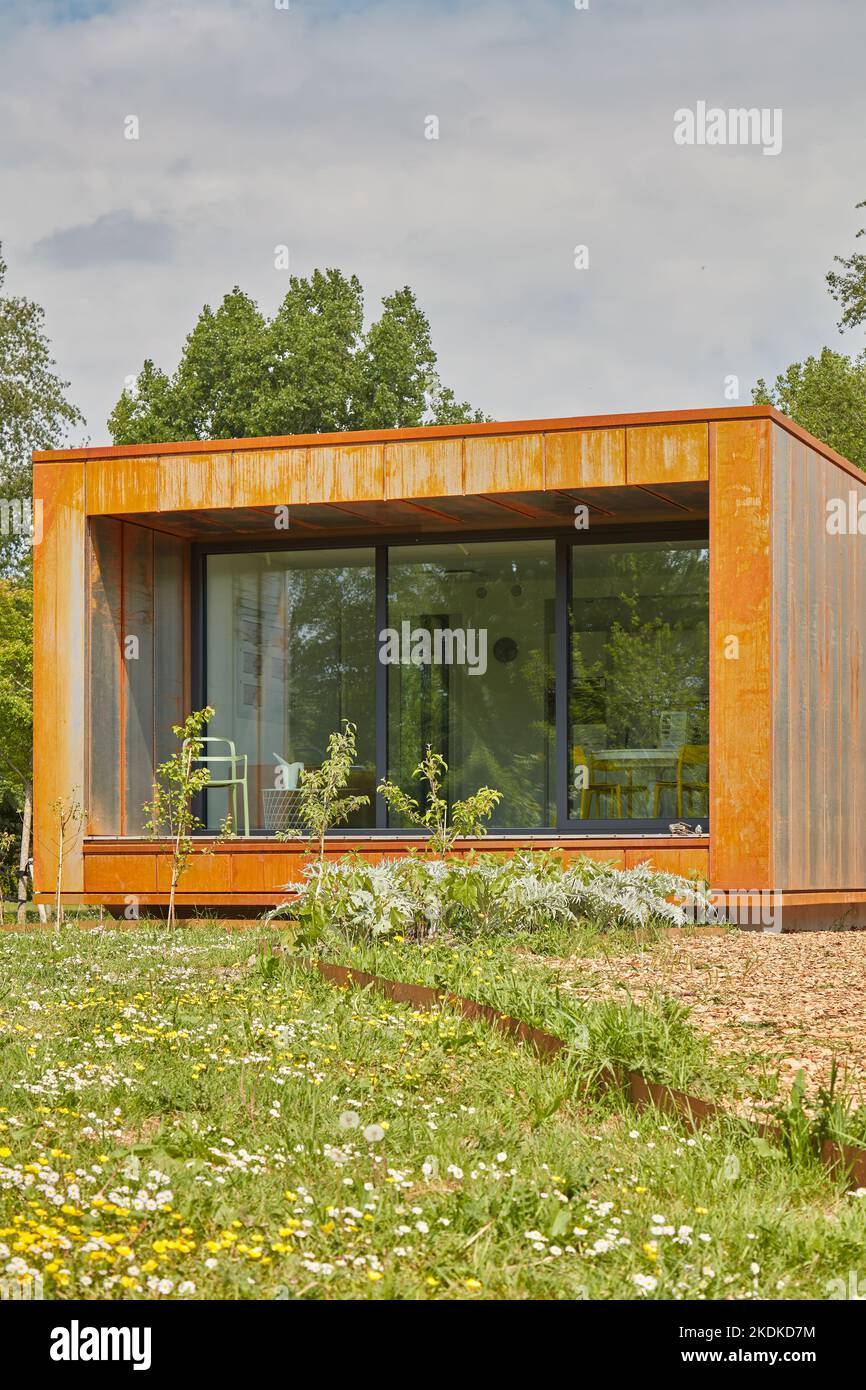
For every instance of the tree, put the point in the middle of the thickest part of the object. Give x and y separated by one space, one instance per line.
34 411
849 288
323 804
310 368
16 717
468 817
827 394
34 414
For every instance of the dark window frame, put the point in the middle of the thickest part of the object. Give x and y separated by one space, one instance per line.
566 540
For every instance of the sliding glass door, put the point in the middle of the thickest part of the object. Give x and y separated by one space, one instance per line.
290 651
479 618
573 677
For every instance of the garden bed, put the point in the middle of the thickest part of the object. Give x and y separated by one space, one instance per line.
780 1003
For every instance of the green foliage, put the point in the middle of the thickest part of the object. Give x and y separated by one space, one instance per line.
34 411
322 805
848 288
826 395
484 895
171 812
260 1108
467 816
16 687
310 368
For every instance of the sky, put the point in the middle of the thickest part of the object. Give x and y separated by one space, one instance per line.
308 127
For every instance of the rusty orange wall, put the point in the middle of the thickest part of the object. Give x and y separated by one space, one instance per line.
252 872
59 682
740 609
533 461
819 675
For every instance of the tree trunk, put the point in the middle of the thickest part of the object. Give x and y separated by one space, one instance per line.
58 909
24 856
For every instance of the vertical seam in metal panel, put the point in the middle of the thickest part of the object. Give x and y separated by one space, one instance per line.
154 642
711 545
88 659
561 680
770 445
121 683
380 603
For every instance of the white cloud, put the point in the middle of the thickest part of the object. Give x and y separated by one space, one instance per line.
306 127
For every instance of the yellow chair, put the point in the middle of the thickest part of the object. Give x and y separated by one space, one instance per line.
594 790
689 755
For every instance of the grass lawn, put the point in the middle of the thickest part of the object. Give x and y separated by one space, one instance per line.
184 1115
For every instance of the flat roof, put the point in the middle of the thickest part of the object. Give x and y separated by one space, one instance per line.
488 427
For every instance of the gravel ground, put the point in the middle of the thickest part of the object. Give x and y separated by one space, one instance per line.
785 1003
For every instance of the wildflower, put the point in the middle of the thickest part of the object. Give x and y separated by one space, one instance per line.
349 1119
647 1283
374 1134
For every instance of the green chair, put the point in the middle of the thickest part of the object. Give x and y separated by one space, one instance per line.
233 781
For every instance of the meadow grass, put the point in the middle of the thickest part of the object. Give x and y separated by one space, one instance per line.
186 1115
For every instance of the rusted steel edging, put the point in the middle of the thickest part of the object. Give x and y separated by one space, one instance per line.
641 1093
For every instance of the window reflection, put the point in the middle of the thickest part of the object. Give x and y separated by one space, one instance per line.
290 652
639 697
491 713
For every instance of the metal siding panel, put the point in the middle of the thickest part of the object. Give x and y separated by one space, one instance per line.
584 458
191 482
137 676
120 873
424 468
820 747
269 477
509 463
782 595
348 473
168 642
59 646
670 453
104 686
740 586
816 561
122 485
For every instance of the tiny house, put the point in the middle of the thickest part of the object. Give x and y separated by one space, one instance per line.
646 631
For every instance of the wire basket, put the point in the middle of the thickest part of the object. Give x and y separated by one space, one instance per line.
282 810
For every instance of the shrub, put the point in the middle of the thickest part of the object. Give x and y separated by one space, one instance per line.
421 898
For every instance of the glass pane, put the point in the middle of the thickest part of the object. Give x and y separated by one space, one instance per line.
639 698
291 650
470 657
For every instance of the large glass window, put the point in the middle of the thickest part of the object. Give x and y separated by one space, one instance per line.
290 652
639 695
454 644
471 670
